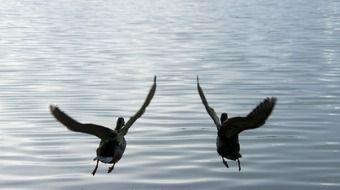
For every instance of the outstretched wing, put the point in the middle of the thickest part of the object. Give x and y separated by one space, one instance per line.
209 109
256 118
73 125
140 112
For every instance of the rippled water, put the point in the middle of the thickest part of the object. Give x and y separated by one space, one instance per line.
96 60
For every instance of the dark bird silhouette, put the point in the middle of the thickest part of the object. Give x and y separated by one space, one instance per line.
112 145
227 142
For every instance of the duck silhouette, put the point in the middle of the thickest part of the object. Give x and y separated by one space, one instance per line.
112 145
228 129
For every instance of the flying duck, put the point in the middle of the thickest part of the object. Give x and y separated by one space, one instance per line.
227 142
112 142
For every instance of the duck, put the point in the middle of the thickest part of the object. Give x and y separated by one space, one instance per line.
112 141
228 129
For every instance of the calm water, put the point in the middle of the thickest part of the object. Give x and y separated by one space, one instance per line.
96 60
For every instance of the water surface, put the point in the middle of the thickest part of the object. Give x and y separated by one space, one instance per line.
96 60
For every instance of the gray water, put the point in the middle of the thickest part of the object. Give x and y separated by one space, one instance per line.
96 61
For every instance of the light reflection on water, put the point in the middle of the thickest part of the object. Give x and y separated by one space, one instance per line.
96 61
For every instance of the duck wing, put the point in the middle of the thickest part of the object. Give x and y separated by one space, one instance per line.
73 125
140 112
209 109
256 118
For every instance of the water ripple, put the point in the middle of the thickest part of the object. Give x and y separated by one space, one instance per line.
96 61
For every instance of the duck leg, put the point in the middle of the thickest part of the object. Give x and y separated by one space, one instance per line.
95 169
239 164
111 168
225 163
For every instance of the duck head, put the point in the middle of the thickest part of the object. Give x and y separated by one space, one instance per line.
120 123
224 117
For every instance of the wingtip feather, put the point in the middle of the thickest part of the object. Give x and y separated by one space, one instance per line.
53 107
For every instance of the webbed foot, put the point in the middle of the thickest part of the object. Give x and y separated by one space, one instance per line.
225 162
239 165
95 169
111 168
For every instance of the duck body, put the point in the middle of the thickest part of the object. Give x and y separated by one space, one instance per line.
110 151
228 147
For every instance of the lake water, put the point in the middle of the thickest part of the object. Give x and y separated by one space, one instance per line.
96 61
